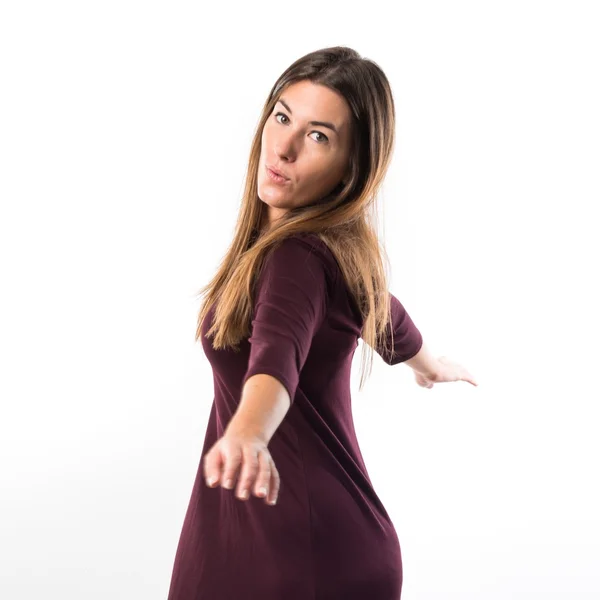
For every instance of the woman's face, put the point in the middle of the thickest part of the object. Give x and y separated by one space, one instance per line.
312 156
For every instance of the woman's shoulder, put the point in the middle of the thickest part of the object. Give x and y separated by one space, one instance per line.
311 245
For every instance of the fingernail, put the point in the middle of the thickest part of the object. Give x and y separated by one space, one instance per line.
212 480
244 494
229 484
262 491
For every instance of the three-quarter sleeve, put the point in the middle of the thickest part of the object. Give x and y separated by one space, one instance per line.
290 304
407 338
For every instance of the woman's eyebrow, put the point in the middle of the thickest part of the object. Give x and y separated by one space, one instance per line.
318 123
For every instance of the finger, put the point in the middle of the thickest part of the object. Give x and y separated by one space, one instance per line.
213 463
472 380
263 480
248 473
274 485
233 459
468 377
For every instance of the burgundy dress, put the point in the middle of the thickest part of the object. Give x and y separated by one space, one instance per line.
329 536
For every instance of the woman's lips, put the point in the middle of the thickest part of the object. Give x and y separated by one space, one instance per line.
276 178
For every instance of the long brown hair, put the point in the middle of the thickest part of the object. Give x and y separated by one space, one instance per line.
345 220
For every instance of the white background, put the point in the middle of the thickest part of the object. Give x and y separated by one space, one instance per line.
125 128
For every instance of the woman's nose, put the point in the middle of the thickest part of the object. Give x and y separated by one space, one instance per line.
285 146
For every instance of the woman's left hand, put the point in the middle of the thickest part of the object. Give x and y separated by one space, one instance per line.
247 455
448 370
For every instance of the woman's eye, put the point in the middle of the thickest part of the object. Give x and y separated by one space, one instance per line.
323 139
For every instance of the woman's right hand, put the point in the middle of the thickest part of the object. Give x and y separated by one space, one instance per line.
448 370
242 459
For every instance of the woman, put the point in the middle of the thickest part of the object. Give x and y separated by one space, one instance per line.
301 282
